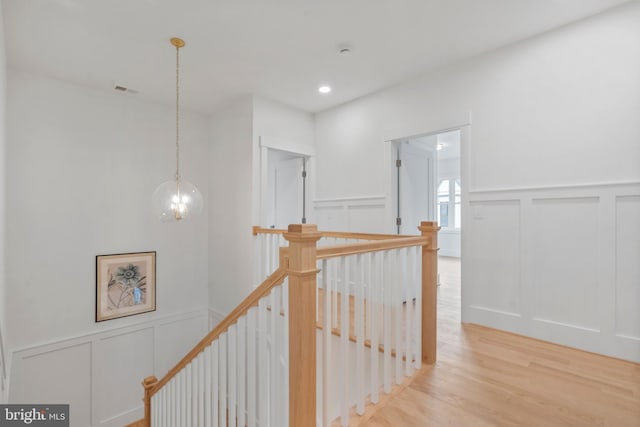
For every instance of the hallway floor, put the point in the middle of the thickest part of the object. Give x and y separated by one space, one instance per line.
484 377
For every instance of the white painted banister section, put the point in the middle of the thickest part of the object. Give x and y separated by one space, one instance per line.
267 244
371 332
224 385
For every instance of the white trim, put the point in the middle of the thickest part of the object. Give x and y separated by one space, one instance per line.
285 145
138 409
566 325
424 127
160 320
349 199
557 187
496 311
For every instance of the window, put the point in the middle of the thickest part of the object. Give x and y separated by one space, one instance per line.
449 206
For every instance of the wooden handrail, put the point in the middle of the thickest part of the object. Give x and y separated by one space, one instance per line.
272 281
260 230
336 234
375 246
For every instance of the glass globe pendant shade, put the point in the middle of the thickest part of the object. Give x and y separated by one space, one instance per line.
176 200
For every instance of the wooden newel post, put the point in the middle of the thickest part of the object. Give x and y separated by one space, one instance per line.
148 383
302 324
429 290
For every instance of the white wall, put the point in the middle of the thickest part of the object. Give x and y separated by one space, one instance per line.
240 135
558 110
3 318
230 239
84 164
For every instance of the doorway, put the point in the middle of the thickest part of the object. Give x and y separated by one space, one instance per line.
429 187
286 189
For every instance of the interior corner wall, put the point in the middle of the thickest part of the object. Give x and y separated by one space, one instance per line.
82 166
230 198
551 177
4 367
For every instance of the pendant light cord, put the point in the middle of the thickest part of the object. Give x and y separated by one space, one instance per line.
177 113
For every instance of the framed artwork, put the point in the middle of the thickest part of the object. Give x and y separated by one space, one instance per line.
125 284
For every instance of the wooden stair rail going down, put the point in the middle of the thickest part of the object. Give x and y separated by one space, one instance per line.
152 385
299 264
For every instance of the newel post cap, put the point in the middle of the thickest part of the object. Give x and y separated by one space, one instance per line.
302 232
428 226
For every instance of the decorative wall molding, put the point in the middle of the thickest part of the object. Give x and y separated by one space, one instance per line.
562 258
355 214
586 186
82 370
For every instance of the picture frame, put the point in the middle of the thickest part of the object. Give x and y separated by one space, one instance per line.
125 284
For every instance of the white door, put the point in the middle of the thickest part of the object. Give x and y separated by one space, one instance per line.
287 194
416 190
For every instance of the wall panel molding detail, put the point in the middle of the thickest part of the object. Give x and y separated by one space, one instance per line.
86 370
627 268
356 214
574 251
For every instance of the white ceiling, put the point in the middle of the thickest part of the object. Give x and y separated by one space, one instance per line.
281 49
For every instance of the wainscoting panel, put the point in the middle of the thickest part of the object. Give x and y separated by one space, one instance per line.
561 264
55 375
496 256
121 360
628 267
174 336
564 263
355 214
99 374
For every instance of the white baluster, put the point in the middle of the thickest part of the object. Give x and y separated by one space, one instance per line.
386 322
184 395
252 383
274 301
263 366
215 383
409 327
285 352
376 286
359 326
232 374
172 402
201 379
397 298
222 375
326 344
344 340
242 370
207 386
418 285
195 382
264 259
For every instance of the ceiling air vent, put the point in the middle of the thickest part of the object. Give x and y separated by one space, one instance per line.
124 89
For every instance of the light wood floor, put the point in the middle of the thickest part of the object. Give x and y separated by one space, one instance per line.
485 377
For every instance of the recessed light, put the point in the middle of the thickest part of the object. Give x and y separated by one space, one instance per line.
324 89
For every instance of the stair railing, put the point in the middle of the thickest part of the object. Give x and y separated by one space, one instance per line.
258 366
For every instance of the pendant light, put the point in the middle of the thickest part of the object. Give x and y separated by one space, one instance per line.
178 199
